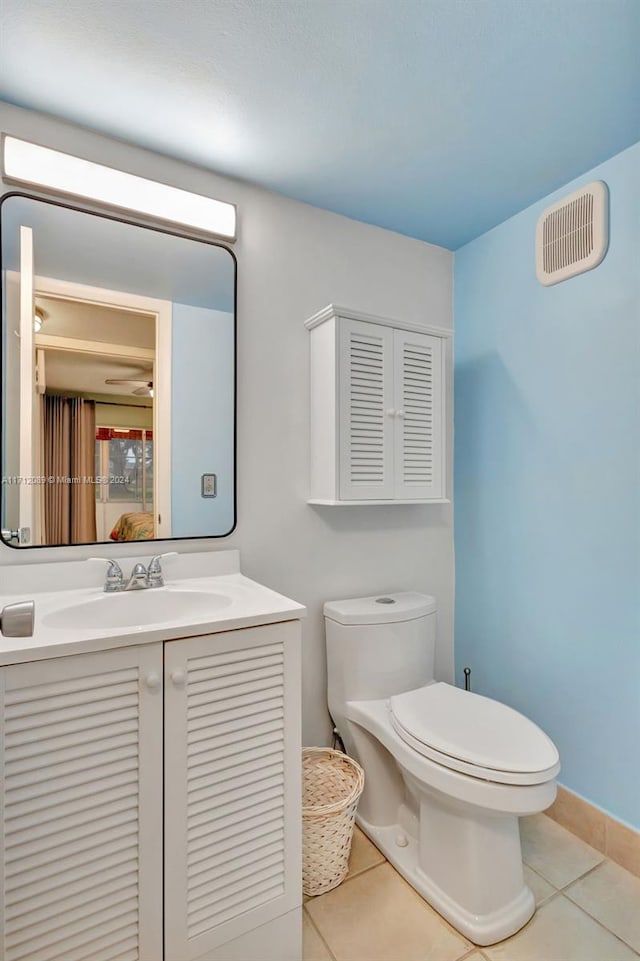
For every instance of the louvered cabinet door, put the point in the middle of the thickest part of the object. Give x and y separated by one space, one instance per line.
419 435
365 411
82 807
232 785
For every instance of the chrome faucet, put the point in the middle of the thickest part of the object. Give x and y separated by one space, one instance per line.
140 579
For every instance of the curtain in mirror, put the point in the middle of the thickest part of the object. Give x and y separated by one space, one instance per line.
69 464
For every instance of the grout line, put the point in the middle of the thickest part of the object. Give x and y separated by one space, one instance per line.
561 893
319 933
601 924
582 876
567 884
358 874
542 877
552 897
599 921
362 871
564 890
475 949
350 877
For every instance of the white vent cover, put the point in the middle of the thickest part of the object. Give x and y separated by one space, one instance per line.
572 235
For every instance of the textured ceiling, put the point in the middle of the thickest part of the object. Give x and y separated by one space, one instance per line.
435 118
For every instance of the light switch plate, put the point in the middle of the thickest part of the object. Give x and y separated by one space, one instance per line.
209 485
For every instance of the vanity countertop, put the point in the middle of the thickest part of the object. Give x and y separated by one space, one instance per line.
81 620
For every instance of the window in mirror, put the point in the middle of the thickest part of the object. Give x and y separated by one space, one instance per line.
118 389
124 481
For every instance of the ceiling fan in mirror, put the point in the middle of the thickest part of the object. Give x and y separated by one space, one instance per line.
142 388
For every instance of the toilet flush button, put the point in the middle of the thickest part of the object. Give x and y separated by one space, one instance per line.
401 840
385 600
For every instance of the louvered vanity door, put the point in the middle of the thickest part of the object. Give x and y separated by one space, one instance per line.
232 785
418 454
366 411
82 807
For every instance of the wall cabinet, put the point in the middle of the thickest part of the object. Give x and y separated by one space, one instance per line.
179 759
377 410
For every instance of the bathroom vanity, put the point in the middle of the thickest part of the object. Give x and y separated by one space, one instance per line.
150 768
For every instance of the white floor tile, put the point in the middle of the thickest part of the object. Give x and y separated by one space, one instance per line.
612 895
553 852
377 916
560 931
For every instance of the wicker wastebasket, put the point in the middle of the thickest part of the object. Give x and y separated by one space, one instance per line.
332 784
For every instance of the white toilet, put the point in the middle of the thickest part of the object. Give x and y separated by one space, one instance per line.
448 773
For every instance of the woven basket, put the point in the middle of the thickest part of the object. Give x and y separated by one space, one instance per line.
331 787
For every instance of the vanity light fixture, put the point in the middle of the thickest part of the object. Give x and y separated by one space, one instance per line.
29 163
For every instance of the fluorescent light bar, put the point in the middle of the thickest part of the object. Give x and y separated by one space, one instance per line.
29 163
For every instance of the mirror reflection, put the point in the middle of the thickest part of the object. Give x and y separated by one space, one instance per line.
118 363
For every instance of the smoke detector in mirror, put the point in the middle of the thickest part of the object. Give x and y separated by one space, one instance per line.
572 235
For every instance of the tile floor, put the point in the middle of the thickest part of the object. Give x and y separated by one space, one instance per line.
588 909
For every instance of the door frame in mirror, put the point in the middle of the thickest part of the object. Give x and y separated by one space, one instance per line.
67 290
162 332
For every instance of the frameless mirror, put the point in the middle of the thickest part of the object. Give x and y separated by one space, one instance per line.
118 379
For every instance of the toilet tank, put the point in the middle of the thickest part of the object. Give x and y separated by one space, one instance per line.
378 646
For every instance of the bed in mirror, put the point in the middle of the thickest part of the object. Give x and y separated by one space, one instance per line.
118 379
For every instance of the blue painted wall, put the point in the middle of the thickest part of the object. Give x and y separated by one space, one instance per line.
202 408
547 487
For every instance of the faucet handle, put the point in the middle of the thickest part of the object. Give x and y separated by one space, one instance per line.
114 578
154 563
154 570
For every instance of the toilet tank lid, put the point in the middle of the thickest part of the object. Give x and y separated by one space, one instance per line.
380 608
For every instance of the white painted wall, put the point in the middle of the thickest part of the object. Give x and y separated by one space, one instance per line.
294 259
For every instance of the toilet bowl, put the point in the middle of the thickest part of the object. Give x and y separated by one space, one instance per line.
447 772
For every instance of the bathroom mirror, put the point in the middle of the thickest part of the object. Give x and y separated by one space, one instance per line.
118 379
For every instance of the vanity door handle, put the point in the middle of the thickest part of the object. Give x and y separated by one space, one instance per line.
152 680
178 678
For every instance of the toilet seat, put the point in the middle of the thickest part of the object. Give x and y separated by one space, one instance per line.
474 735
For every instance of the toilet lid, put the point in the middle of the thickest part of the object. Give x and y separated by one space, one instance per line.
464 731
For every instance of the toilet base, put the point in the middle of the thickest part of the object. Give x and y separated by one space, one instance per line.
482 929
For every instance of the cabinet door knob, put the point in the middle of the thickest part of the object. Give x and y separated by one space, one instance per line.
152 680
179 678
390 412
399 413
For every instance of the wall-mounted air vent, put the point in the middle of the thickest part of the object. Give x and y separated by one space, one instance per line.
572 235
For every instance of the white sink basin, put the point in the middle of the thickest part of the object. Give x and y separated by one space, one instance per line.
138 609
